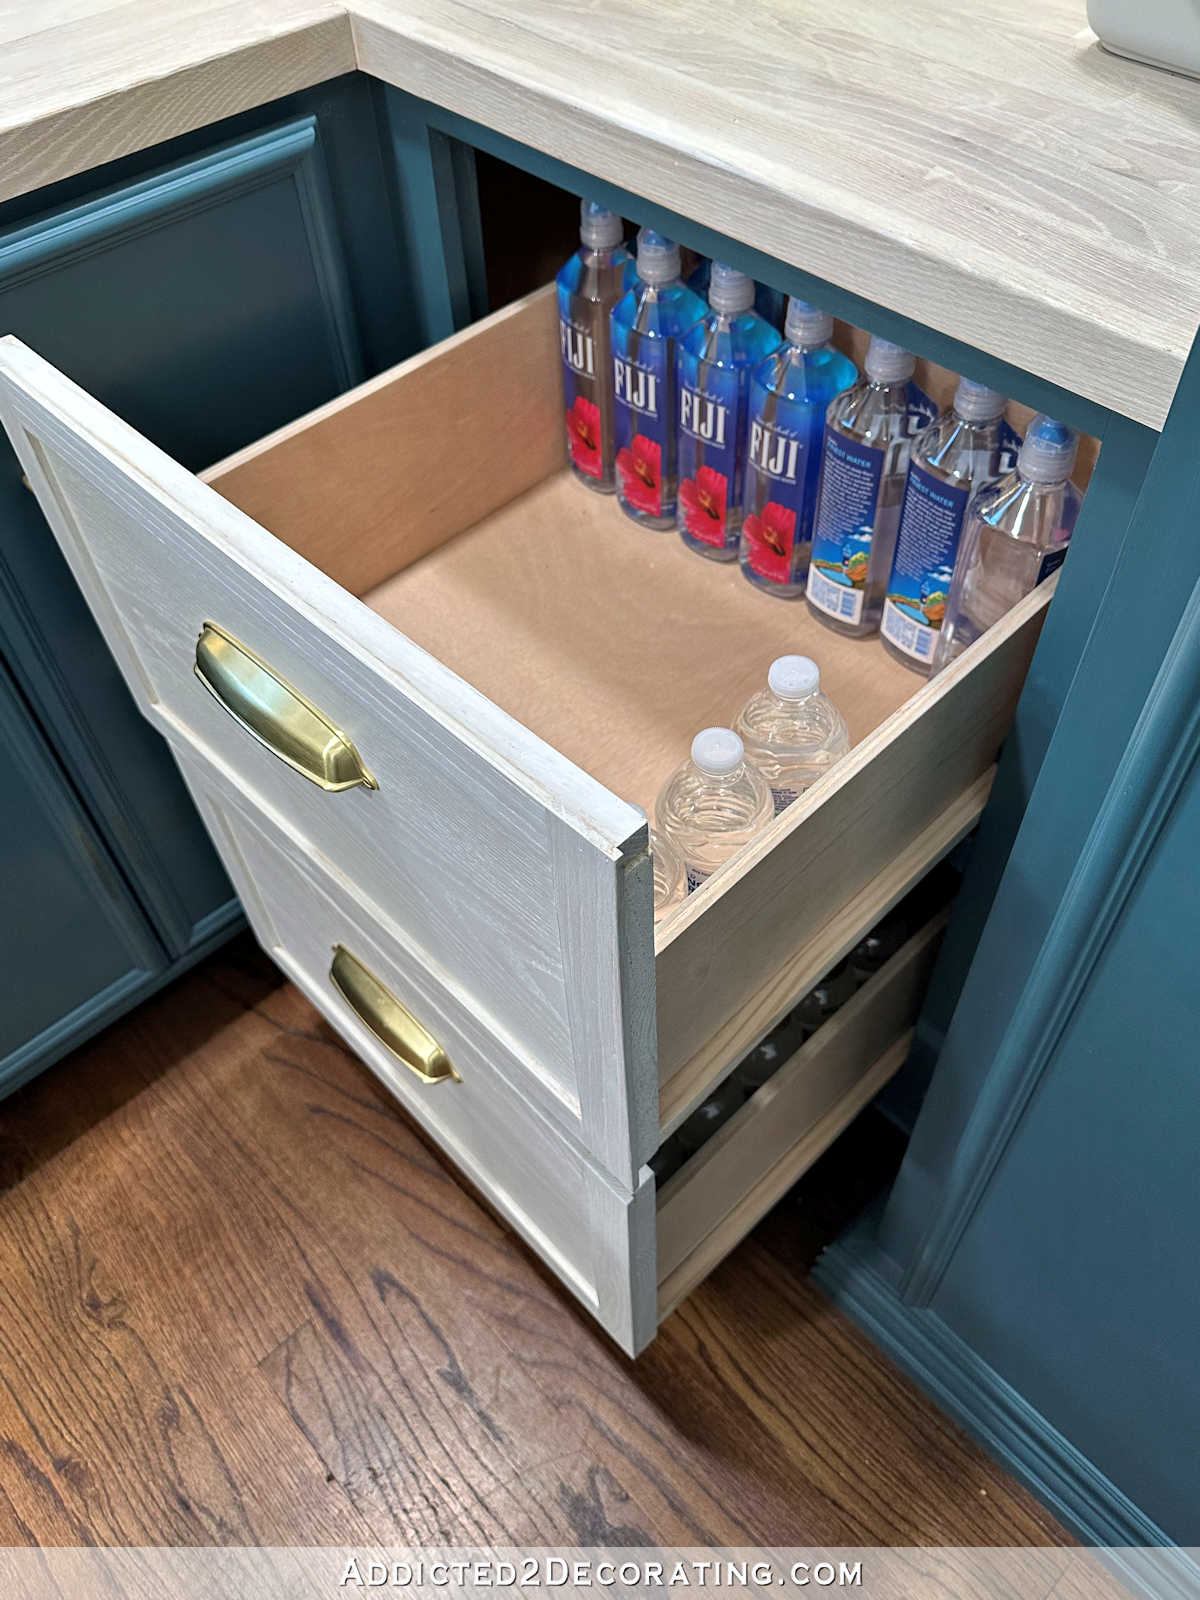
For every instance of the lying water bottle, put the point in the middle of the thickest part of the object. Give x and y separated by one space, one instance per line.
713 805
1016 535
589 285
723 1103
952 459
645 325
792 732
713 365
826 997
789 395
864 465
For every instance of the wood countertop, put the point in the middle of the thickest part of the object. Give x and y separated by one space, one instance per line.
982 167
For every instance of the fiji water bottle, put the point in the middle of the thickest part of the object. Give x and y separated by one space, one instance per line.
768 302
590 284
789 395
962 452
1016 535
713 366
646 323
864 464
792 733
713 805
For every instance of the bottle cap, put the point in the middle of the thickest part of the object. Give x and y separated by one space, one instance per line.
975 402
717 751
806 325
599 228
657 257
1048 453
794 677
729 290
887 362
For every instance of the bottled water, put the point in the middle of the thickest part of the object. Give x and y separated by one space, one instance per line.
668 872
792 732
646 324
864 464
789 395
763 1062
824 998
875 949
768 302
667 1159
711 1115
1016 535
713 805
589 285
713 364
962 452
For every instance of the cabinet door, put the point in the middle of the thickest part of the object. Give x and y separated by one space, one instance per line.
209 299
74 947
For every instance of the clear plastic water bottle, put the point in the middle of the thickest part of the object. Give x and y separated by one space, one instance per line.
768 302
723 1103
959 454
876 948
713 805
713 362
1016 535
826 997
789 395
864 464
589 286
763 1062
646 323
668 872
792 732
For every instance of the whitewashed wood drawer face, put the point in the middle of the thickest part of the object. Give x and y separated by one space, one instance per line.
519 667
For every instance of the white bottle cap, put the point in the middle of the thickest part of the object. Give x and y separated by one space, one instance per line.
1048 453
657 257
729 290
717 751
599 228
975 402
806 325
887 362
794 677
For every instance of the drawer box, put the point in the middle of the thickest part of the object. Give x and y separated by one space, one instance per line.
629 1257
517 668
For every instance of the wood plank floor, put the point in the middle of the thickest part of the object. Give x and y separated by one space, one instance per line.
241 1302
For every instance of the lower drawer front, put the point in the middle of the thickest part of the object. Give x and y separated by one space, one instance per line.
597 1238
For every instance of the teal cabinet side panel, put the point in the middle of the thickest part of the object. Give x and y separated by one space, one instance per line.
207 299
1076 1276
73 945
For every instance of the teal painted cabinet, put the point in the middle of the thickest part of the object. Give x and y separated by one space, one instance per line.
209 292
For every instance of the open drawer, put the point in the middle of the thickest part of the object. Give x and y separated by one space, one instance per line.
628 1257
458 679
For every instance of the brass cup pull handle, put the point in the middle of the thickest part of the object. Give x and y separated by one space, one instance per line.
392 1024
275 714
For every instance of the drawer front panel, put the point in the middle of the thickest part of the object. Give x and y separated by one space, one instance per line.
597 1238
510 872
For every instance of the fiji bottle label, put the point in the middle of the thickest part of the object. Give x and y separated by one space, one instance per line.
711 412
777 531
844 525
587 389
643 423
931 524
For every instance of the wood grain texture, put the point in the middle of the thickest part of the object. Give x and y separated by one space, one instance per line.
815 1086
369 483
1043 209
215 1201
474 820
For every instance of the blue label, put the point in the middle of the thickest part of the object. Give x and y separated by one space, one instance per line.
712 406
931 524
643 421
844 524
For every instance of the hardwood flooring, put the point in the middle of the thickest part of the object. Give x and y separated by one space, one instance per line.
241 1302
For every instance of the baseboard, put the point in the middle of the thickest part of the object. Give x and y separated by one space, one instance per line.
861 1280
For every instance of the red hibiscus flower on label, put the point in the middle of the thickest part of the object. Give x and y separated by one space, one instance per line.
640 467
703 502
583 436
769 537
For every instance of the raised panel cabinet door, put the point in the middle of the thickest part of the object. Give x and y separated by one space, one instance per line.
520 880
74 949
208 300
